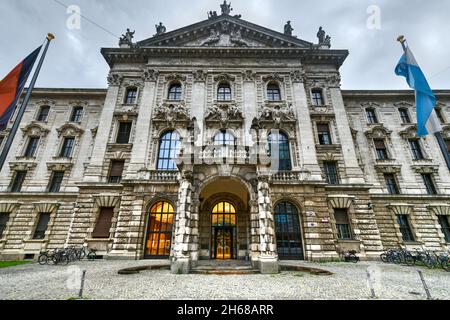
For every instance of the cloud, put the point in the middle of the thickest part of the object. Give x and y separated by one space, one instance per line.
74 59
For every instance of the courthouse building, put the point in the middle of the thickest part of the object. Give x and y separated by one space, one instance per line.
224 140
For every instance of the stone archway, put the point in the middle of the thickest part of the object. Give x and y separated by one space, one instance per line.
233 232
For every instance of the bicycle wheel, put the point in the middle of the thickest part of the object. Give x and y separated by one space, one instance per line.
445 264
384 257
409 260
91 256
43 259
430 262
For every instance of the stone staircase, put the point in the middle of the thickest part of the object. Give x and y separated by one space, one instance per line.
229 267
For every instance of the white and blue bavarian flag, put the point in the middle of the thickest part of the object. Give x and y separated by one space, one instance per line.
427 121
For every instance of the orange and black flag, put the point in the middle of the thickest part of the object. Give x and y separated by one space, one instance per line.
12 85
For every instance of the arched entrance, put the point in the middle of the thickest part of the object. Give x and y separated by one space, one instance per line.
288 232
159 231
223 231
224 220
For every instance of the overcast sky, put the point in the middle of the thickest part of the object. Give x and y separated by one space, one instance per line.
74 59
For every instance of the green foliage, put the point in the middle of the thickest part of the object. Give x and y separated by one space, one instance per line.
7 264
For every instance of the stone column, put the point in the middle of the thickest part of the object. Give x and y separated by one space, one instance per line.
143 127
199 105
352 169
307 143
268 259
250 109
182 241
94 170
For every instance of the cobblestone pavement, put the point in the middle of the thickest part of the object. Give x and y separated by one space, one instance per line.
102 282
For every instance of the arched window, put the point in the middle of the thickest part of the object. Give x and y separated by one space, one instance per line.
224 138
224 92
280 141
288 231
175 91
317 97
43 113
273 92
223 233
159 230
169 147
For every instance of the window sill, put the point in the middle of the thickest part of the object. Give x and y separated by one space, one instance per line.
99 239
35 240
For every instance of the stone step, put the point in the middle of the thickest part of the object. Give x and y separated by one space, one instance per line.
224 270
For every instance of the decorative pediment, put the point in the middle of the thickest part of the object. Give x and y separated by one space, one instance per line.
426 169
171 113
224 31
132 83
8 207
59 166
273 77
378 132
46 207
175 77
128 110
106 200
277 114
22 166
340 201
35 129
224 113
410 132
388 168
45 102
403 104
400 208
370 104
224 78
440 209
69 129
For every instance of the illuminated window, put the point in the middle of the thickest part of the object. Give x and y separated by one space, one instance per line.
223 233
169 147
159 230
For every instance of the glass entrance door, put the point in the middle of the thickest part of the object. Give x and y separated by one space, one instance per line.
223 231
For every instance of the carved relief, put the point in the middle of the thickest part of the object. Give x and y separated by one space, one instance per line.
273 77
69 129
298 75
224 78
114 79
378 132
224 113
175 77
200 75
35 129
171 113
277 114
249 75
150 75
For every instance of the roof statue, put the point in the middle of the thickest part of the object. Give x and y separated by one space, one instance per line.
127 39
288 29
324 39
226 8
160 29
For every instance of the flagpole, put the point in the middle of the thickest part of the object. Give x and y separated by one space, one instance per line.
24 104
438 135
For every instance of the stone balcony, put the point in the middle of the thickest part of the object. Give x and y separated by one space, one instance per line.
287 177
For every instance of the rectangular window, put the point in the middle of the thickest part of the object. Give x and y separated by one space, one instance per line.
104 222
429 184
445 226
416 149
331 172
76 114
317 98
391 184
19 178
67 147
342 224
131 96
32 146
439 115
405 228
324 134
123 136
4 217
55 183
404 115
116 171
371 116
381 150
42 225
43 114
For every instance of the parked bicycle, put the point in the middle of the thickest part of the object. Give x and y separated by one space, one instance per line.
67 255
350 256
417 257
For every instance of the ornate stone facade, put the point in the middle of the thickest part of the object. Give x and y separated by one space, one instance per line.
268 80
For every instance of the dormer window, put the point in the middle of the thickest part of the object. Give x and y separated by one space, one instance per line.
43 114
224 92
317 97
175 92
404 115
371 116
273 92
131 96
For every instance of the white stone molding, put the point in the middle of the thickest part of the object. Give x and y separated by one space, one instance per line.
249 75
22 166
69 129
426 169
46 207
400 208
378 131
298 75
59 166
200 75
440 209
224 78
35 129
340 201
106 200
9 207
175 77
274 77
114 79
150 74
